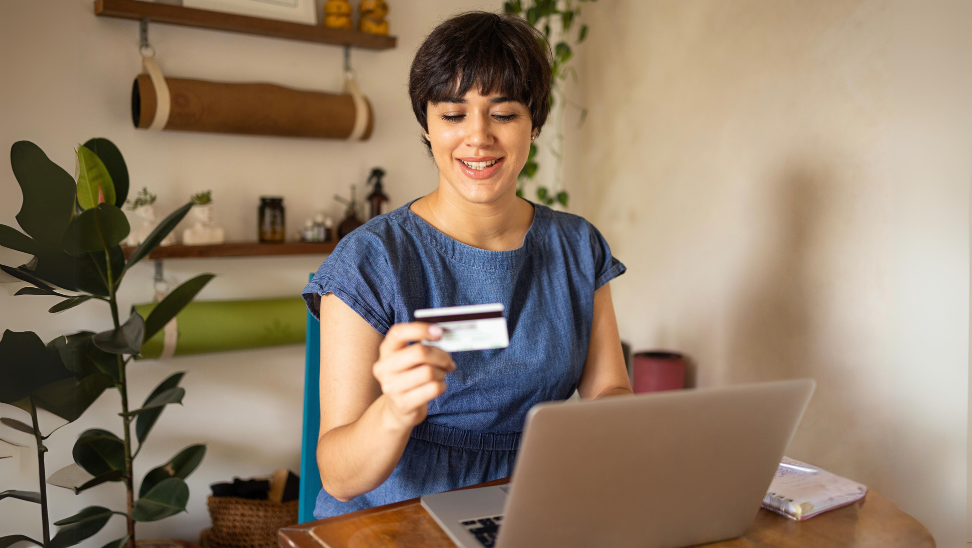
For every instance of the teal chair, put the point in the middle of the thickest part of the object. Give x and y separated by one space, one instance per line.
310 476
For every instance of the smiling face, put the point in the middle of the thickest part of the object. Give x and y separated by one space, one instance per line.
480 144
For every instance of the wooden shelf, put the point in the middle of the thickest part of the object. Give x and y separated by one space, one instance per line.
247 249
230 22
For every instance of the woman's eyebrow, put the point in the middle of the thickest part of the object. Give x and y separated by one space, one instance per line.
462 100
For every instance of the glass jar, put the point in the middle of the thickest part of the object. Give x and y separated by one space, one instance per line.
272 224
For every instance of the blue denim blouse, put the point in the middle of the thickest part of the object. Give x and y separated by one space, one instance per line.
397 263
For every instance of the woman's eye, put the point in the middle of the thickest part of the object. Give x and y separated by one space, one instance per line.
504 117
452 117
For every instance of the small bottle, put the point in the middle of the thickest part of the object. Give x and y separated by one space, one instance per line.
320 234
328 229
272 223
308 233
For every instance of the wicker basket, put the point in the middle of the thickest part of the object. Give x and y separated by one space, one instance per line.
247 523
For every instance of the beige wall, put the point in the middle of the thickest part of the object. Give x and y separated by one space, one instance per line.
788 184
66 77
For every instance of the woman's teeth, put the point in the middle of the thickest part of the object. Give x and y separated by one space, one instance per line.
478 165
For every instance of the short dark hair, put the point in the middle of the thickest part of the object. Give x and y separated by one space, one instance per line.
499 53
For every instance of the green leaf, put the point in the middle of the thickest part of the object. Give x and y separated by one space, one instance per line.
519 193
563 52
21 274
567 18
96 230
80 526
532 16
93 175
548 201
114 475
114 162
17 425
172 395
39 291
158 234
546 30
29 496
69 303
62 270
12 238
26 365
69 398
180 466
146 420
533 151
127 339
99 452
82 358
512 8
117 543
48 192
173 303
167 498
541 192
10 540
90 280
529 170
562 198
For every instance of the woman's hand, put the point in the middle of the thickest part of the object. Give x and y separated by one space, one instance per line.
411 375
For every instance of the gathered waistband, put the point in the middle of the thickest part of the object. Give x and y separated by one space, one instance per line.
466 439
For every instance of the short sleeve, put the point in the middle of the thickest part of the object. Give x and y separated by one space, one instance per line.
606 266
358 273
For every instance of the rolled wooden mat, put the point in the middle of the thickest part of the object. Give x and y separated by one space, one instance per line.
248 109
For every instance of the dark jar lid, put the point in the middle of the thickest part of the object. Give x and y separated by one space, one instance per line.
271 199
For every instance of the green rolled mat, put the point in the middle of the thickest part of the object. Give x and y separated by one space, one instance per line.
220 326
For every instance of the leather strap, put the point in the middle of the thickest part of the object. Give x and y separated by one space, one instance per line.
162 100
360 107
170 336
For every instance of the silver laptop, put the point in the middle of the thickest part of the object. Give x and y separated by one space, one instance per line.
661 470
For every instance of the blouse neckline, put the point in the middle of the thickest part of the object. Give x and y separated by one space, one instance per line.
473 256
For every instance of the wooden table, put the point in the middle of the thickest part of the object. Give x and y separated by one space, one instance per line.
874 522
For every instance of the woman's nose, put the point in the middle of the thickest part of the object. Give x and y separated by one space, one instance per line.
479 133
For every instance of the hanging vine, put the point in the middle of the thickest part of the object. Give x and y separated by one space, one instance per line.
559 19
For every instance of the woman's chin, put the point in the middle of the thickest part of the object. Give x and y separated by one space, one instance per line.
479 194
483 191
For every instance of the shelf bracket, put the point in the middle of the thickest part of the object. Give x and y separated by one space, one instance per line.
143 40
347 59
159 285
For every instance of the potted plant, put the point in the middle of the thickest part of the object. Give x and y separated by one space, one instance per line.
73 229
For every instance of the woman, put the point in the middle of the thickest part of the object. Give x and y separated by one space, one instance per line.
399 420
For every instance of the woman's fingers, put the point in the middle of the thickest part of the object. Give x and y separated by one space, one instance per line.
419 396
412 356
412 378
401 334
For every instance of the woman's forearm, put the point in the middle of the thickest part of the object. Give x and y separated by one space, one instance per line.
358 457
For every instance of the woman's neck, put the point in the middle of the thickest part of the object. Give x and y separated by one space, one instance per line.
497 226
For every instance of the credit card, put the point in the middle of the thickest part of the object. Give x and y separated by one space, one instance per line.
473 327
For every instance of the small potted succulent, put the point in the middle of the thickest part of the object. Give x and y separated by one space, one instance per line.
204 231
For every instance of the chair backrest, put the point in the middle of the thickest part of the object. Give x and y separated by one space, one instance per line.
310 476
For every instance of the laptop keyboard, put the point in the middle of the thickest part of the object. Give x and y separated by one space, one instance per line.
484 529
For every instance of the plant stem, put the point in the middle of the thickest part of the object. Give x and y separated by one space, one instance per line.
126 420
42 472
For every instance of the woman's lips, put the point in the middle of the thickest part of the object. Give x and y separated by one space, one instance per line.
485 173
